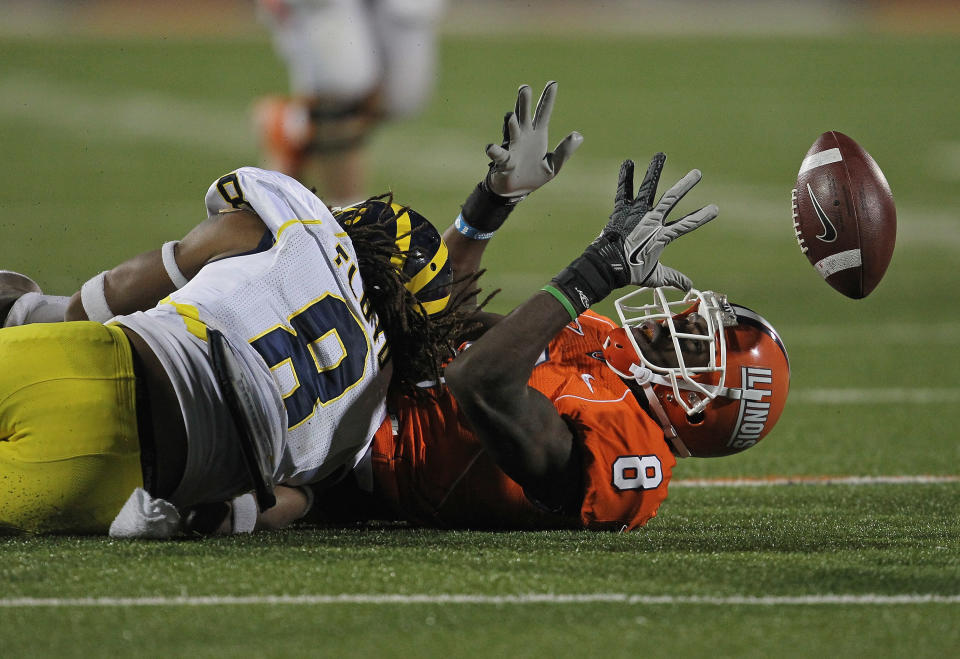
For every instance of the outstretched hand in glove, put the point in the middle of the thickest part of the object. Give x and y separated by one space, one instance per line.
629 247
518 166
521 164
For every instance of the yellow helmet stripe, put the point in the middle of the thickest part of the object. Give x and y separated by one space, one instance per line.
426 275
435 306
403 236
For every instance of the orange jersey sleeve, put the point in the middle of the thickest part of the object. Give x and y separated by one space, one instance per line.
435 471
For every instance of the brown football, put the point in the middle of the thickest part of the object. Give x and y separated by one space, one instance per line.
843 214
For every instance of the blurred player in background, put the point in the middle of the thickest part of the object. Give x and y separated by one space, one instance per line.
352 65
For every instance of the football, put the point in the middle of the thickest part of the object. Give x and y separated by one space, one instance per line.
843 214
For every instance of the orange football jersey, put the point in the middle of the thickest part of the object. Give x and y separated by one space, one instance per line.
435 471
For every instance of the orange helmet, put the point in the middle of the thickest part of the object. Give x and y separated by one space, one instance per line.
726 380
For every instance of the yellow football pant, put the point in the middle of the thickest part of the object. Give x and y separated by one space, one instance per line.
69 453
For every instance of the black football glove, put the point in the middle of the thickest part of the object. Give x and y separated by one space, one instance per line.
629 247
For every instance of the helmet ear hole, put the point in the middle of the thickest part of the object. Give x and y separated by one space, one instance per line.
696 419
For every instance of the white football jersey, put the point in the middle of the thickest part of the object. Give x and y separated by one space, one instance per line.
295 313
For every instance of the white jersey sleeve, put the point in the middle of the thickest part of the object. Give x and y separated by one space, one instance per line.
277 198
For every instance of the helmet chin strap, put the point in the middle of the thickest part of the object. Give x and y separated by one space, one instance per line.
641 374
669 432
645 378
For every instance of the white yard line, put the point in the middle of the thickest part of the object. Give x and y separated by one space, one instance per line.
871 396
776 481
522 599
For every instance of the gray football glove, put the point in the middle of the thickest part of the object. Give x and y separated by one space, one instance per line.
644 230
629 247
521 164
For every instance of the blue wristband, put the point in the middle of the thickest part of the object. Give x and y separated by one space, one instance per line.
467 230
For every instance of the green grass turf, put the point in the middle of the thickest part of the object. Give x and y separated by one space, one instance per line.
776 542
109 146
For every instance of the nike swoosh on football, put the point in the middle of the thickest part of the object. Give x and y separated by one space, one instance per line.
829 232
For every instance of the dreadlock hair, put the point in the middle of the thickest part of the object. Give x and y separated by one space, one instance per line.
418 343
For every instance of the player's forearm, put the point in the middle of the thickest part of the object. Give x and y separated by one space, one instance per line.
141 282
467 238
135 285
504 357
465 256
517 424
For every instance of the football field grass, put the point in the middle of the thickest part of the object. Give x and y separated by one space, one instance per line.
838 535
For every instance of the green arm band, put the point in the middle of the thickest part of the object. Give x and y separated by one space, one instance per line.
562 299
